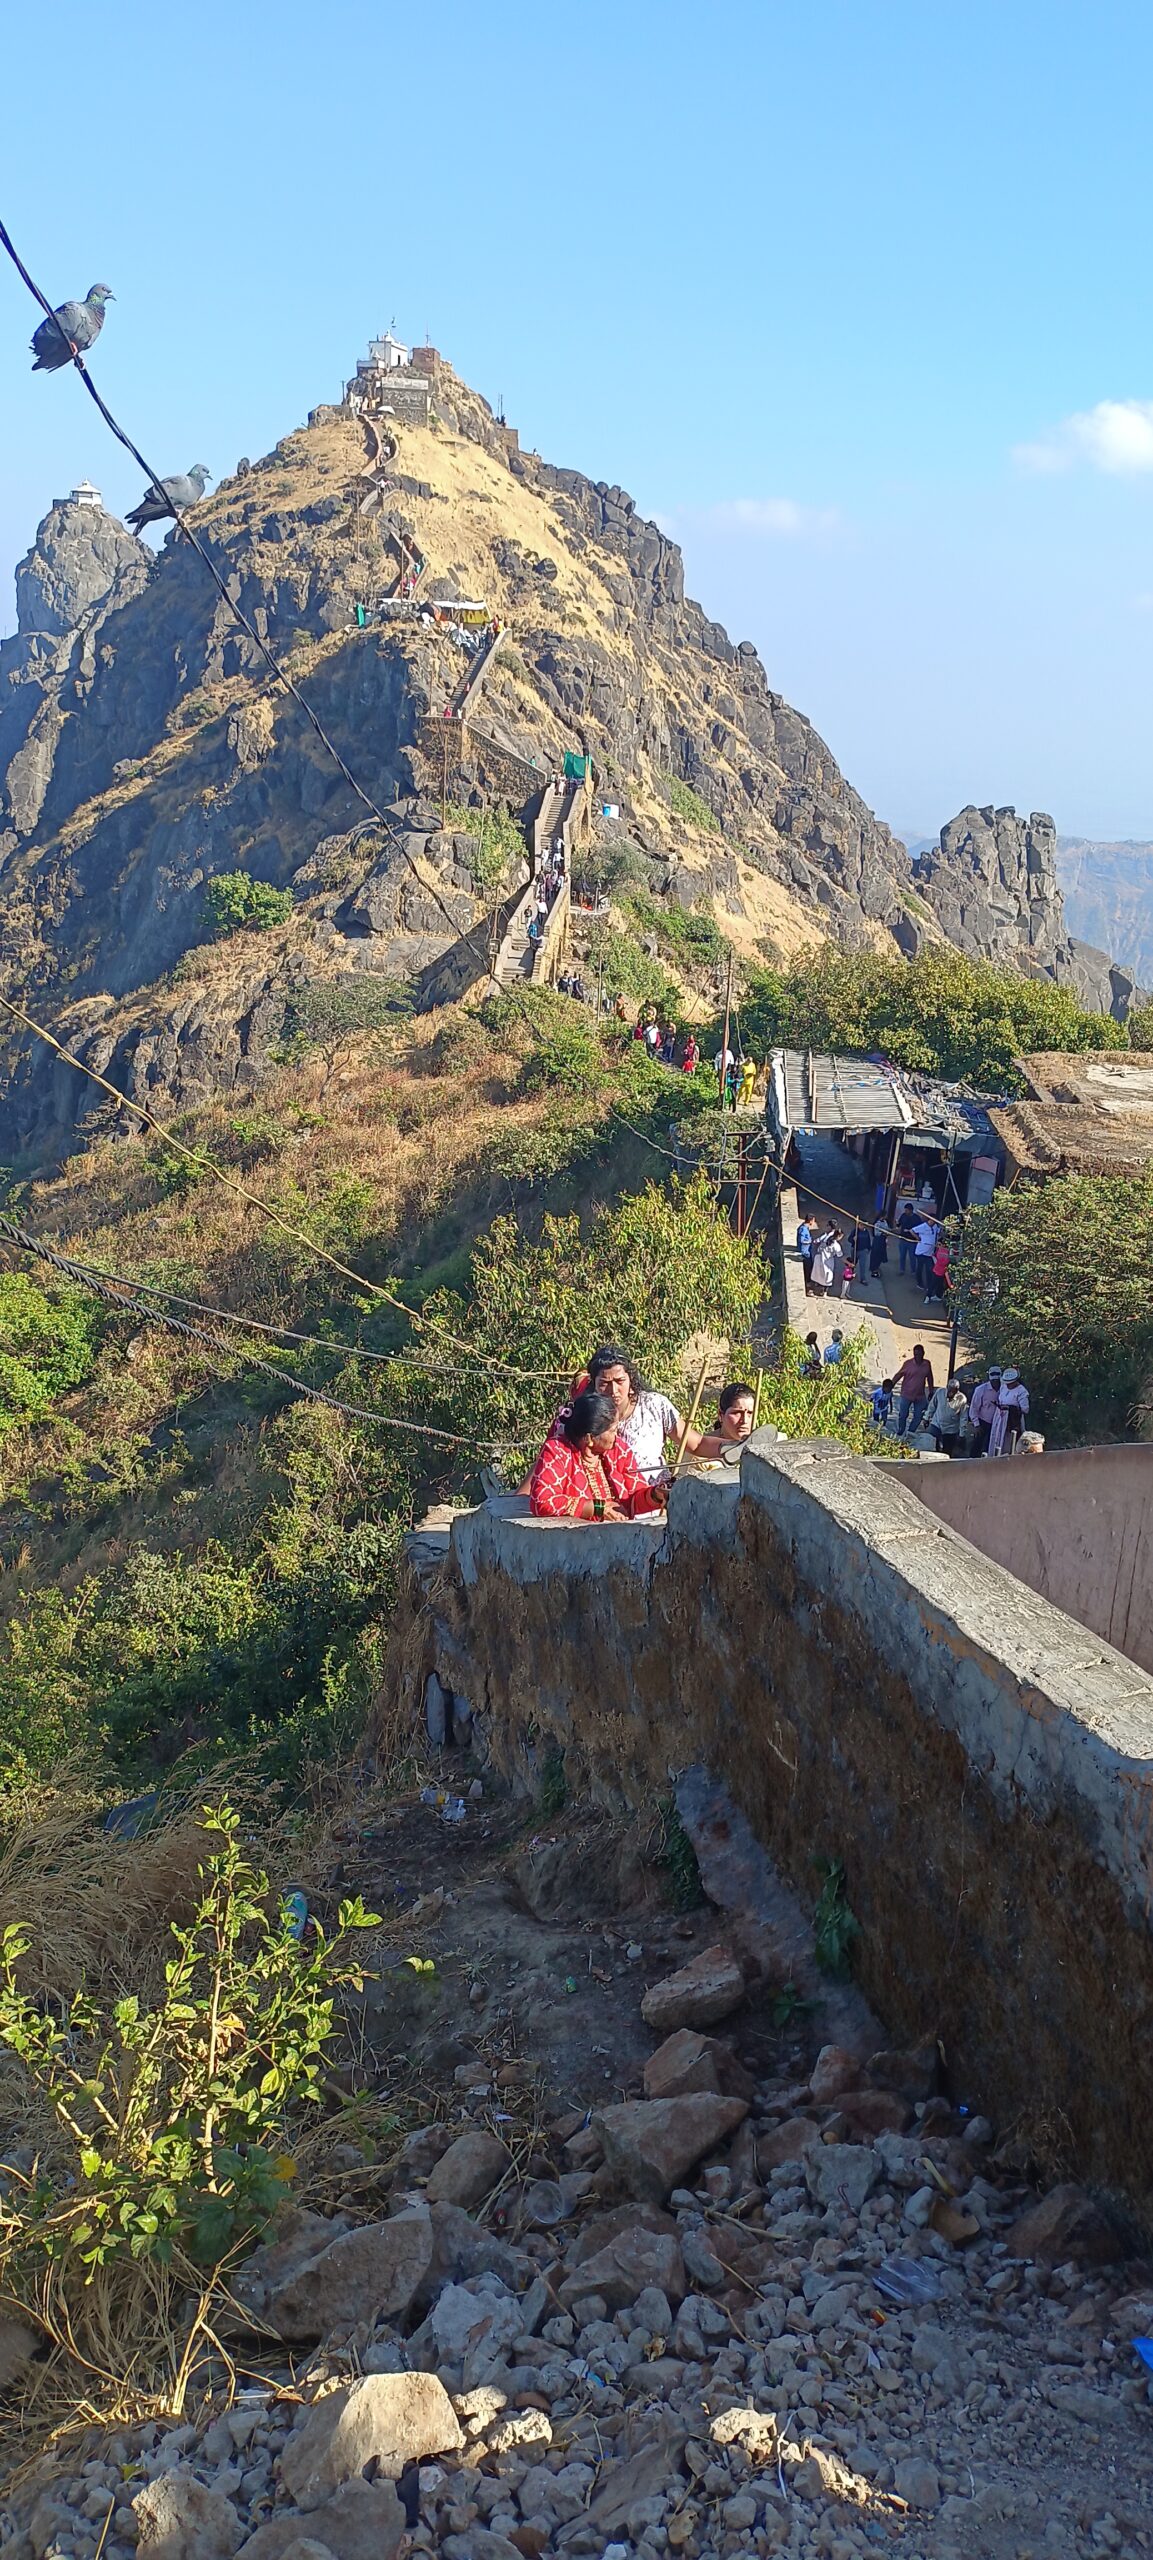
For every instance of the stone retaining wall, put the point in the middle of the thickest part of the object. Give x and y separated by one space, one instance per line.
870 1688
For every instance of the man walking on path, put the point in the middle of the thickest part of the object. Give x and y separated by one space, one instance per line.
926 1238
914 1385
906 1232
982 1407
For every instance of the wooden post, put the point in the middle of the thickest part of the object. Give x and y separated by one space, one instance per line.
760 1380
725 1035
691 1416
444 773
742 1185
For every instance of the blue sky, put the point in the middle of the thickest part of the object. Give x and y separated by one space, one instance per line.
853 294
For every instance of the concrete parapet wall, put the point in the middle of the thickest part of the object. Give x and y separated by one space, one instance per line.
870 1688
1076 1525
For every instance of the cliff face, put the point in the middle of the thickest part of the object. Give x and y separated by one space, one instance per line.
992 885
143 749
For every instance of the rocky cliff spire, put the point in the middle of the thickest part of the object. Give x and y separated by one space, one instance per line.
82 565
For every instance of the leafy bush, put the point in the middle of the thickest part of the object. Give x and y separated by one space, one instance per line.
329 1011
831 1407
190 1655
498 841
161 2128
1055 1278
652 1270
689 804
940 1013
234 903
567 1055
690 935
47 1345
618 966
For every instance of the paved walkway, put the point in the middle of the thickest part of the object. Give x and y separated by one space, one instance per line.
891 1307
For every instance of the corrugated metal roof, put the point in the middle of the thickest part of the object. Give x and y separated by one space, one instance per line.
826 1089
819 1089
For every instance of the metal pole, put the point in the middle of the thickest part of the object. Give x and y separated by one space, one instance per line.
742 1186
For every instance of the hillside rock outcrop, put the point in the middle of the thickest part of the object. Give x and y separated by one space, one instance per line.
82 565
144 750
994 889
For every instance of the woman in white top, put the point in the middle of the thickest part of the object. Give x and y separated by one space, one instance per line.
647 1420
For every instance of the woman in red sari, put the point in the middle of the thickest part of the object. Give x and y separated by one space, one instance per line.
585 1472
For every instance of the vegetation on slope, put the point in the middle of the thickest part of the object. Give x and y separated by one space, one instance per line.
1056 1280
939 1013
197 1558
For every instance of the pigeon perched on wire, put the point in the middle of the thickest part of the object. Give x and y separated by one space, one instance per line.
185 489
74 326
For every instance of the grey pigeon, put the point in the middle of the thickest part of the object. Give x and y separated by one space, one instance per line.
73 327
185 489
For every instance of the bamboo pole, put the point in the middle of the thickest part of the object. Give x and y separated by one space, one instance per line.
691 1417
760 1380
722 1069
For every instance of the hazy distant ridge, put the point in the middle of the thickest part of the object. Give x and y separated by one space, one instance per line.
1108 891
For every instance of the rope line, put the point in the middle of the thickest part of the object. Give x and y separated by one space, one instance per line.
131 1305
231 1182
239 616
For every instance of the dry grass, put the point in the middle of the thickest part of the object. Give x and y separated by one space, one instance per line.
99 1912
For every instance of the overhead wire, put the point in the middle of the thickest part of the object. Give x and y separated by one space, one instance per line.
132 1305
220 1173
83 1272
376 813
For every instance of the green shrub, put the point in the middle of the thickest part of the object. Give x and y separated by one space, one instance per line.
689 935
1055 1278
498 845
329 1011
47 1346
568 1056
689 804
162 2126
235 903
939 1013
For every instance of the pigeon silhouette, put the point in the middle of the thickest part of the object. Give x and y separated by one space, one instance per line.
183 490
73 327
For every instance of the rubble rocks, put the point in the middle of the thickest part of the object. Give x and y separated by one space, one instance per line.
833 2071
653 2143
788 2141
179 2518
370 2274
364 2521
388 2419
701 1994
1066 2224
622 2270
841 2173
687 2061
472 2166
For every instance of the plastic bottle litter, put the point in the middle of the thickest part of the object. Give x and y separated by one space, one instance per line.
1144 2348
907 2280
450 1808
295 1910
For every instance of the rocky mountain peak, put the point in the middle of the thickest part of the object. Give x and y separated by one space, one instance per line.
79 553
993 888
